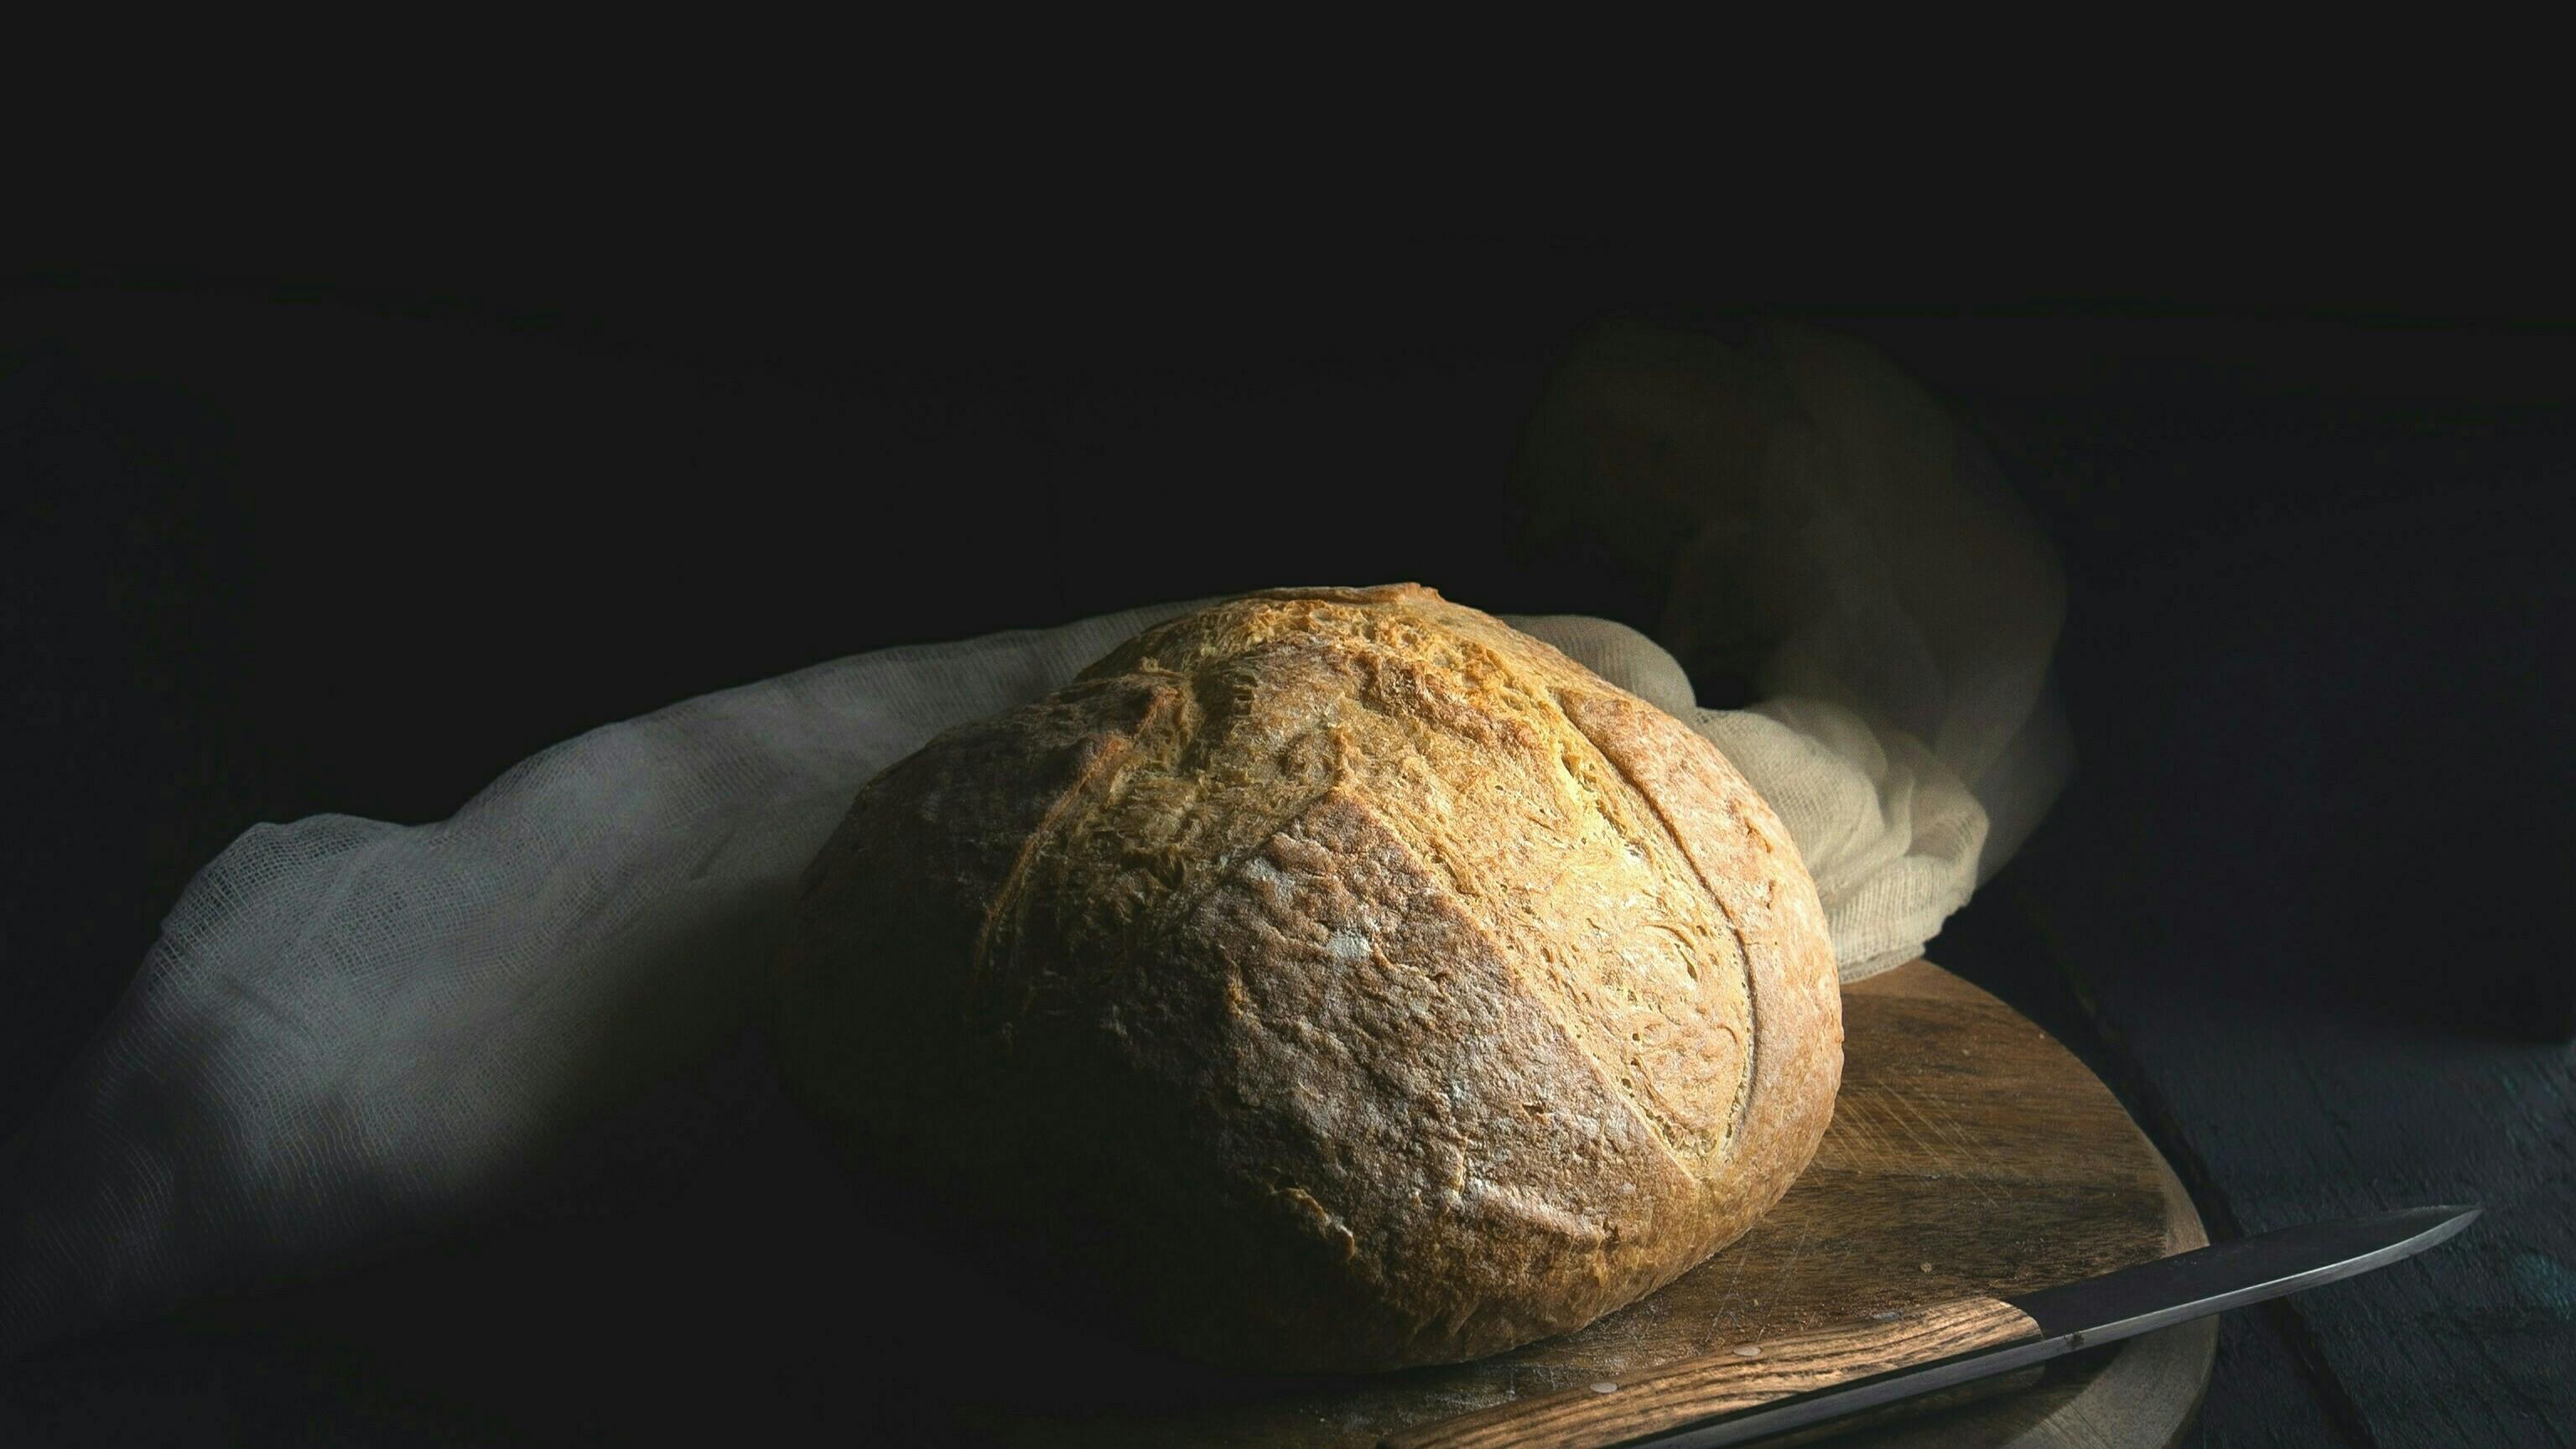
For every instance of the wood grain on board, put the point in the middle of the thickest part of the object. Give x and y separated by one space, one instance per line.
1970 1155
1733 1380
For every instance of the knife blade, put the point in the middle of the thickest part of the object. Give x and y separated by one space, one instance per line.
1774 1386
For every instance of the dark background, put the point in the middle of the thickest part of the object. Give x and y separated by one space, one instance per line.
356 534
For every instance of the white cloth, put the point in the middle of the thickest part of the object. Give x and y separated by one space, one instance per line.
1820 528
350 1029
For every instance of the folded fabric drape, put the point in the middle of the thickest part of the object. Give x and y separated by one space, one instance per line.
351 1029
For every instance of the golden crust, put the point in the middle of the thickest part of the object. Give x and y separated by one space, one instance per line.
1348 979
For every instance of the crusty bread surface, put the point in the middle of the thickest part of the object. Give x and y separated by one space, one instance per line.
1342 979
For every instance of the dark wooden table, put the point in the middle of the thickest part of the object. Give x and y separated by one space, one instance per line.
272 554
2297 905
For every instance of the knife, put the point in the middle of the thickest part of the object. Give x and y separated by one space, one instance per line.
1776 1385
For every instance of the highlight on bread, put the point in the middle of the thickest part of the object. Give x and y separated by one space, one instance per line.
1342 979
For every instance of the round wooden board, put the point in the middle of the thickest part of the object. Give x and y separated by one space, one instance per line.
1969 1153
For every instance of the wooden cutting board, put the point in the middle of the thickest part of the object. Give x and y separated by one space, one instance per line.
1969 1153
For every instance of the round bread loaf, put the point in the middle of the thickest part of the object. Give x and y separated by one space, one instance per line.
1342 978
